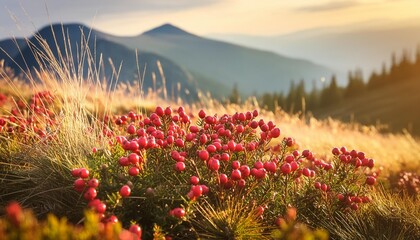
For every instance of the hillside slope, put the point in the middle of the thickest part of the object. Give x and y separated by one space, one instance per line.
101 47
253 70
396 105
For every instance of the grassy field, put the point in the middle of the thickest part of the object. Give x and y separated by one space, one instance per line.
37 163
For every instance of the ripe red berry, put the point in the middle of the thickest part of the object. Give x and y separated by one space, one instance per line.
241 183
134 158
159 111
136 230
194 180
306 172
75 172
236 164
178 212
214 164
324 187
93 183
100 207
225 157
90 194
317 185
123 161
275 133
370 180
168 111
245 171
112 219
131 129
133 171
236 175
258 165
197 190
223 179
336 151
125 191
180 166
79 184
270 166
84 173
286 168
202 114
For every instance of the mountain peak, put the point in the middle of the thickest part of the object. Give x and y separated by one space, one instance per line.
167 29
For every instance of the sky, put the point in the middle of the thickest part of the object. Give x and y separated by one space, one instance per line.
203 17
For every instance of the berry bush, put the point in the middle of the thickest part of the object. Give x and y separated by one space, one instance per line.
163 170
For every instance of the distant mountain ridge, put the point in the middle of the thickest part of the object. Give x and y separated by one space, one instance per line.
254 71
100 46
342 48
186 58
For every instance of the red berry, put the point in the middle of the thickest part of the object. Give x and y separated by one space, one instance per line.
168 111
223 179
201 114
275 133
180 166
125 191
100 207
225 157
258 165
236 164
197 190
112 219
245 171
84 173
79 184
123 161
324 187
241 183
236 175
93 183
194 180
159 111
134 158
178 212
90 194
270 166
131 129
317 185
286 168
336 151
133 171
136 230
214 164
306 172
370 180
75 172
211 148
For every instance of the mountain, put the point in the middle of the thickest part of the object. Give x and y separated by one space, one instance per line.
224 64
101 46
10 48
342 48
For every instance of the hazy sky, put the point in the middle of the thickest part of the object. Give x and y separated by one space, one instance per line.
255 17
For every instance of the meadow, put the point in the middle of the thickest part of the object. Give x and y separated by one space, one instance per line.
81 161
